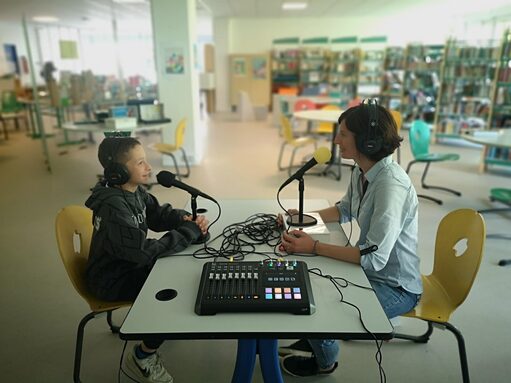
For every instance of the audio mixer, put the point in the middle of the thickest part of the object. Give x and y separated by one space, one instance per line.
265 286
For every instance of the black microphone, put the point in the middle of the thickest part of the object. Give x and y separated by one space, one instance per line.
168 179
321 155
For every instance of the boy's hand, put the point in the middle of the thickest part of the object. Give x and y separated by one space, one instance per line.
201 221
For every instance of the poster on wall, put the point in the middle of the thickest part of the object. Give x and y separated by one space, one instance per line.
259 68
174 61
240 67
11 59
68 49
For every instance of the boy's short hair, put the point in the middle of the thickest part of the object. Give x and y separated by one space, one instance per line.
115 149
357 121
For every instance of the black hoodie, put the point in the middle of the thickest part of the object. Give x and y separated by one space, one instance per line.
119 240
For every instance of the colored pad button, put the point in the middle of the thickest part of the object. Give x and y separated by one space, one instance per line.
288 296
278 290
278 296
298 296
296 290
269 296
267 290
287 290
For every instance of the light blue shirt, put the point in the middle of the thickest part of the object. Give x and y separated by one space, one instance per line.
388 218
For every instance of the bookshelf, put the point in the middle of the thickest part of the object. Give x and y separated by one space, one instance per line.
314 65
344 65
393 76
421 82
500 106
285 63
371 66
467 78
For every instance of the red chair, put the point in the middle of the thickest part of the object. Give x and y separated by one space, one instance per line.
304 105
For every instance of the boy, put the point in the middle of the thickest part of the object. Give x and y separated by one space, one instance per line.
121 256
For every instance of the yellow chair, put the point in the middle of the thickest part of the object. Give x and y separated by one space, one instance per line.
446 288
295 143
398 118
169 149
74 225
327 127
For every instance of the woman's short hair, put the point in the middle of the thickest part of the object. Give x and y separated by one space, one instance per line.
358 120
115 149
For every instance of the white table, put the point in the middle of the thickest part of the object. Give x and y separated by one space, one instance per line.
331 116
175 319
501 139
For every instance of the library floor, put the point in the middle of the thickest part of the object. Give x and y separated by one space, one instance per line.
41 310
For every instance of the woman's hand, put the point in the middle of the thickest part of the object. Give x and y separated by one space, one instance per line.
201 221
297 241
280 218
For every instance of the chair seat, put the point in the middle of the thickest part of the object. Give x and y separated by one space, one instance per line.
503 195
302 141
435 304
437 157
164 148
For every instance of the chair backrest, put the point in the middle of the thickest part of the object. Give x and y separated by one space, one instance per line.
287 129
9 102
303 104
398 118
180 133
73 227
456 272
327 127
419 138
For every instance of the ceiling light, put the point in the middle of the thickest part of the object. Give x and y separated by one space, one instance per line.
45 19
129 1
291 6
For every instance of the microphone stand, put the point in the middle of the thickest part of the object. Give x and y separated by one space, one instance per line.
301 219
203 237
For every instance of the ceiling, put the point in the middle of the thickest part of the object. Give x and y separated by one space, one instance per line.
84 12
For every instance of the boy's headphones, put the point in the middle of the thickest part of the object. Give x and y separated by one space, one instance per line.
369 143
116 173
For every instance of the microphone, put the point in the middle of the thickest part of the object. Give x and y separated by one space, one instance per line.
168 179
321 155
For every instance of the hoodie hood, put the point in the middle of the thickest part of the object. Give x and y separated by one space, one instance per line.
102 193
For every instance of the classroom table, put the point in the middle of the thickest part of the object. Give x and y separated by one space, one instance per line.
256 332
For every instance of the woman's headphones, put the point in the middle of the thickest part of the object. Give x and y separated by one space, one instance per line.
370 143
116 173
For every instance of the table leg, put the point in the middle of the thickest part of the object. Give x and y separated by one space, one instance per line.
269 360
245 361
333 160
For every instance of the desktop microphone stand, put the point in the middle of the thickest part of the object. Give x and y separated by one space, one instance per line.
301 219
204 237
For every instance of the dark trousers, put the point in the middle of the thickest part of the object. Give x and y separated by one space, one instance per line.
129 287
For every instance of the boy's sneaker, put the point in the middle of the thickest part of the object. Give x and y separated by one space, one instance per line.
300 366
301 348
147 370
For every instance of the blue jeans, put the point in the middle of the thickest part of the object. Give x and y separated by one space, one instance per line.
394 300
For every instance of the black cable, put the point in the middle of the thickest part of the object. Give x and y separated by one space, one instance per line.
241 238
335 281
